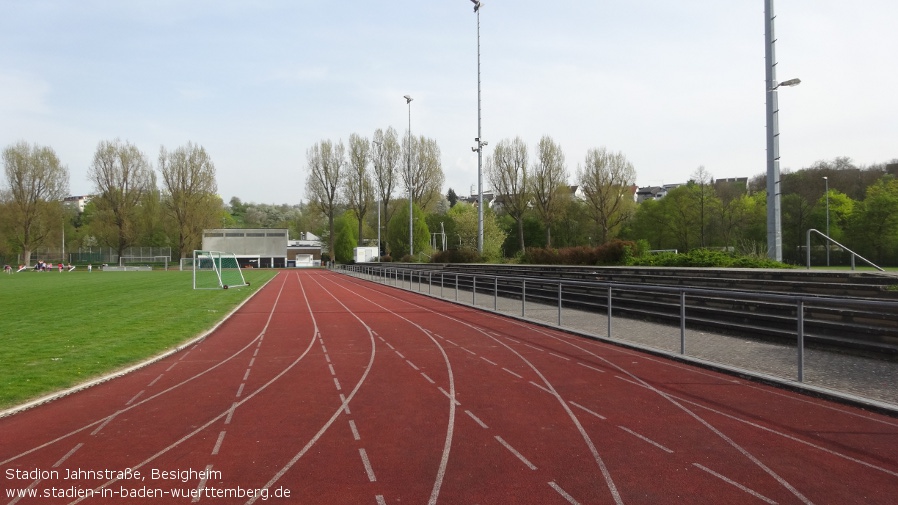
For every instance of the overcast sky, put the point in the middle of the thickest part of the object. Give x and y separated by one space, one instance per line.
673 85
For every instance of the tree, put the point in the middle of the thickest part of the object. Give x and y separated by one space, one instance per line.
873 225
398 231
423 176
705 200
36 184
465 217
121 175
359 192
189 194
548 183
386 155
452 197
507 172
346 240
606 179
325 163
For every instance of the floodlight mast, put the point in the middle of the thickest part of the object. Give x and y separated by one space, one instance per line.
411 245
479 148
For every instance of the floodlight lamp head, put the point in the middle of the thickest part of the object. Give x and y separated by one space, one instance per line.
408 99
474 149
477 5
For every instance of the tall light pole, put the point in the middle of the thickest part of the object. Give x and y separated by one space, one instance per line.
826 185
479 140
378 153
774 215
411 245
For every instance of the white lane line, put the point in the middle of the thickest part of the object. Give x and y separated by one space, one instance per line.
734 483
104 423
412 365
231 413
451 342
252 361
559 356
516 453
400 355
240 389
324 348
367 463
570 499
646 439
488 361
327 357
448 395
581 407
67 455
155 380
533 347
129 402
202 485
355 431
380 499
477 420
218 442
184 356
542 387
256 353
246 375
332 369
337 383
512 373
345 404
468 350
428 378
591 367
172 366
390 346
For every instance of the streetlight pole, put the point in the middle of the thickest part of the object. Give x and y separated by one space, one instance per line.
774 215
826 183
411 245
480 144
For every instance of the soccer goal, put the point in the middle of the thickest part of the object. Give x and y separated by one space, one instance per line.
216 270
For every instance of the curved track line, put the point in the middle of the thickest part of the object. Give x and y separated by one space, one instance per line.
677 404
603 468
450 430
230 409
284 469
157 395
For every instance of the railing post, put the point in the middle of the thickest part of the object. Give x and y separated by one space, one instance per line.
474 290
495 294
456 286
682 322
609 312
523 298
559 303
429 282
442 276
800 314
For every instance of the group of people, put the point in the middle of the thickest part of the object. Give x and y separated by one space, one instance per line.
42 266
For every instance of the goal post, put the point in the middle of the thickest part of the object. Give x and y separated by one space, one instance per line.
216 270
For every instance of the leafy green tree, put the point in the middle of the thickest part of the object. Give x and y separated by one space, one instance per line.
606 178
189 194
465 217
398 231
452 197
346 240
36 183
873 226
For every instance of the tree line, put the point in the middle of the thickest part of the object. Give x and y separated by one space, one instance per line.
131 204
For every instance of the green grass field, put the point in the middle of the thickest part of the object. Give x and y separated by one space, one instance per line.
62 329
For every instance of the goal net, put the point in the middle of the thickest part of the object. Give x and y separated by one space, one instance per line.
216 270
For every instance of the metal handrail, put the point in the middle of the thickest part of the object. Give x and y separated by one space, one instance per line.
801 302
827 237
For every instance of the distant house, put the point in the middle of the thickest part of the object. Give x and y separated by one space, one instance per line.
77 202
654 192
256 247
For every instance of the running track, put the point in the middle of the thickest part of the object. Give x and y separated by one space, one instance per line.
347 392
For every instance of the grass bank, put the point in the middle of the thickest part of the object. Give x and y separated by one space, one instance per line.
62 329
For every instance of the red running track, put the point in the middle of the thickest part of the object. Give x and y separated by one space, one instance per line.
329 389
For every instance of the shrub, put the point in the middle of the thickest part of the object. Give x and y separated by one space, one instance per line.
464 255
617 252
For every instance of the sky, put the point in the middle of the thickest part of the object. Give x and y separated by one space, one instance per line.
673 85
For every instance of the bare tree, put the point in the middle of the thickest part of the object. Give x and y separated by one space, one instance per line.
36 184
704 199
121 175
507 173
325 162
189 193
359 191
423 175
606 179
548 181
387 158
